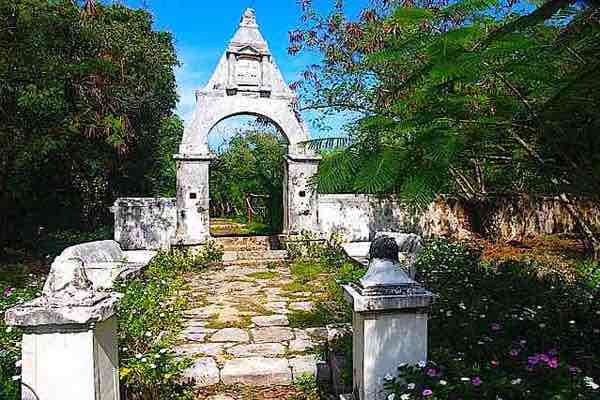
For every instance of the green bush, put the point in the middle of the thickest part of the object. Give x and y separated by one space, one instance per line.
503 331
150 318
17 285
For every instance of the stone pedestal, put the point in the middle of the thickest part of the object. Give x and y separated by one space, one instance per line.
388 330
193 200
389 321
69 352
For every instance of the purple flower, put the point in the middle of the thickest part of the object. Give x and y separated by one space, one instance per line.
514 352
427 392
495 327
544 358
8 291
553 363
533 360
431 372
476 381
574 370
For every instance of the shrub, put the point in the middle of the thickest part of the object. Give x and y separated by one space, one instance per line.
150 318
503 330
17 286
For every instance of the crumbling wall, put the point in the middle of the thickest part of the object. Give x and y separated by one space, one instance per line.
359 217
145 223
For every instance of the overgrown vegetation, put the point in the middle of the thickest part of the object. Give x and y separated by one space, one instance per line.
465 98
503 326
86 100
150 317
246 179
503 330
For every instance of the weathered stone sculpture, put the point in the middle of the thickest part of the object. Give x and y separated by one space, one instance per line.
68 283
389 320
69 346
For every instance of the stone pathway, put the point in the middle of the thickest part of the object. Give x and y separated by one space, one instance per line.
237 329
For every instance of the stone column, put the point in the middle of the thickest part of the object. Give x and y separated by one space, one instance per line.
193 199
69 347
389 321
300 199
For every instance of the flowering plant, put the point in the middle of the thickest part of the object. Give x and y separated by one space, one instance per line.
503 332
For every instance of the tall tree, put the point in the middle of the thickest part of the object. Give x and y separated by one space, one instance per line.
84 92
470 98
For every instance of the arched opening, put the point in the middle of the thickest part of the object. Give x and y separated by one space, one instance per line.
246 177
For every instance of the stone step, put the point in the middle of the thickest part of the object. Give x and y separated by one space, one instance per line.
261 255
255 371
245 243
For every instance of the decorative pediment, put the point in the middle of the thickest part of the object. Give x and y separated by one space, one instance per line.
247 67
249 50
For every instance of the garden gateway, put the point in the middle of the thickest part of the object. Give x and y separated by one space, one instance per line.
247 81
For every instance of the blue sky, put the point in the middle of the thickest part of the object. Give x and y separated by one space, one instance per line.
202 29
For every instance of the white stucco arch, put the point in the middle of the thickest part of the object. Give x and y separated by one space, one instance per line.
211 110
246 81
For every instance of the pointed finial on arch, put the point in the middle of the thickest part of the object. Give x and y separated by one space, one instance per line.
249 18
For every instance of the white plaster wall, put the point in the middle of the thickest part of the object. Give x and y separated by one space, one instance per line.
145 223
360 217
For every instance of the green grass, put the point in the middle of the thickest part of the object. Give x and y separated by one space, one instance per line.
305 271
263 275
318 317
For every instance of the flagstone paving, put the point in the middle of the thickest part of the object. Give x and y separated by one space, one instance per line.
237 329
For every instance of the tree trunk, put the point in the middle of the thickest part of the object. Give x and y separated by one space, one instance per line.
590 239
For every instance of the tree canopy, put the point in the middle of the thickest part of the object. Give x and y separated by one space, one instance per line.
469 98
250 167
86 99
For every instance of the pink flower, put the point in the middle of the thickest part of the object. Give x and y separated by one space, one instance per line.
8 291
476 381
514 352
431 372
553 363
427 392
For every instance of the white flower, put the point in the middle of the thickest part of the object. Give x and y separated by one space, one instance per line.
163 351
589 382
148 334
388 377
465 379
391 396
443 382
9 329
152 366
124 349
138 356
422 364
143 359
410 386
18 364
16 377
571 322
405 396
516 381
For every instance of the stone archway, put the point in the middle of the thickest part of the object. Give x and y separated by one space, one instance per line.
246 81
